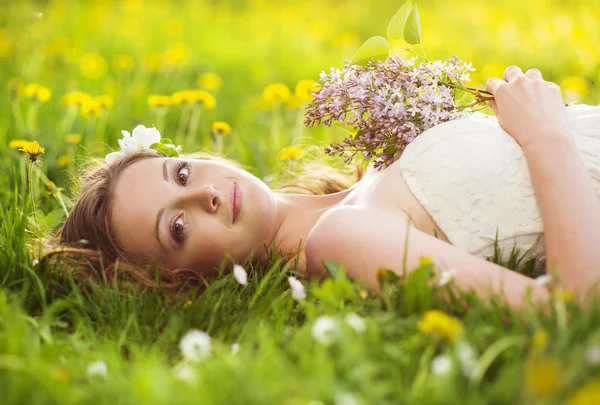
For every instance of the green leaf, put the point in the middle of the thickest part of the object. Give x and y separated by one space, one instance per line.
375 48
334 269
166 140
412 30
164 150
395 28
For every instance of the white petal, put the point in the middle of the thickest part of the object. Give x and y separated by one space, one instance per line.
145 137
195 345
346 399
126 134
446 277
298 292
111 157
543 280
593 355
356 322
240 275
185 372
97 369
128 145
324 330
441 365
235 348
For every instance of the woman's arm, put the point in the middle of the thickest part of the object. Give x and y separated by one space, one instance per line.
531 110
365 240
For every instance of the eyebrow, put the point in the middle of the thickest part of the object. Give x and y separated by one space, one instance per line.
158 218
165 172
162 210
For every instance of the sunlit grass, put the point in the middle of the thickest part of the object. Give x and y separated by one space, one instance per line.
231 77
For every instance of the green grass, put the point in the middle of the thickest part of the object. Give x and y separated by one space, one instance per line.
52 328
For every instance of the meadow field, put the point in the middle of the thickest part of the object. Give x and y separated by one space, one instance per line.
231 77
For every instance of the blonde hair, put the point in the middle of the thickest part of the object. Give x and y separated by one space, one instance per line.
85 245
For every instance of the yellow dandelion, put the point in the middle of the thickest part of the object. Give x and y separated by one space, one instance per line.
210 81
73 139
5 44
17 144
425 260
436 322
564 295
363 294
586 395
37 92
205 99
540 340
290 152
575 87
123 63
183 97
305 88
220 128
76 98
62 161
105 101
158 101
91 109
15 86
188 303
93 66
276 92
543 377
177 54
294 102
154 61
32 150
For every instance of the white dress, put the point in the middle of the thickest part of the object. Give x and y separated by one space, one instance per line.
472 178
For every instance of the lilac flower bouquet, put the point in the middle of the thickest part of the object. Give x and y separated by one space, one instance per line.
386 102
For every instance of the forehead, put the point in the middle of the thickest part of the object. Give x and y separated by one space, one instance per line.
139 193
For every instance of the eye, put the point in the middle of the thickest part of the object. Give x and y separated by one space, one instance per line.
182 173
177 229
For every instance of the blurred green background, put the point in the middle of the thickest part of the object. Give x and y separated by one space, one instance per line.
132 49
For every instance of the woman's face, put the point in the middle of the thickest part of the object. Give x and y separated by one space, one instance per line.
188 213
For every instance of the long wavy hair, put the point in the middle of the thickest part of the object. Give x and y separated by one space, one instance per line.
86 247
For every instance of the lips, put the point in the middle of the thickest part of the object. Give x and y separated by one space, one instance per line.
236 202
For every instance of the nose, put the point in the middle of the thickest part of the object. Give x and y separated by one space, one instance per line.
207 196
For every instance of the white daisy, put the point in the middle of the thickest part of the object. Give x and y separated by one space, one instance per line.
298 292
240 275
446 277
195 345
185 372
324 330
441 365
235 348
346 399
356 322
97 369
544 280
593 355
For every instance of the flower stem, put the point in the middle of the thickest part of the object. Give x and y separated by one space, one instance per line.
31 116
183 122
193 127
16 105
35 219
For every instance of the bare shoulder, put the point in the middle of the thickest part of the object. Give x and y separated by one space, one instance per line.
345 230
367 238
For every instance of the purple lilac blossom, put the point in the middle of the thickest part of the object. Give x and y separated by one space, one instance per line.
386 104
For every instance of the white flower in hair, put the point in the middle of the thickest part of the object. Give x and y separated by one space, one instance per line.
142 140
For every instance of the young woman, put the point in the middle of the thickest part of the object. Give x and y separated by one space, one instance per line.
531 180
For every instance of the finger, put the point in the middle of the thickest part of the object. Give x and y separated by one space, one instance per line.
493 84
493 106
534 74
512 72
